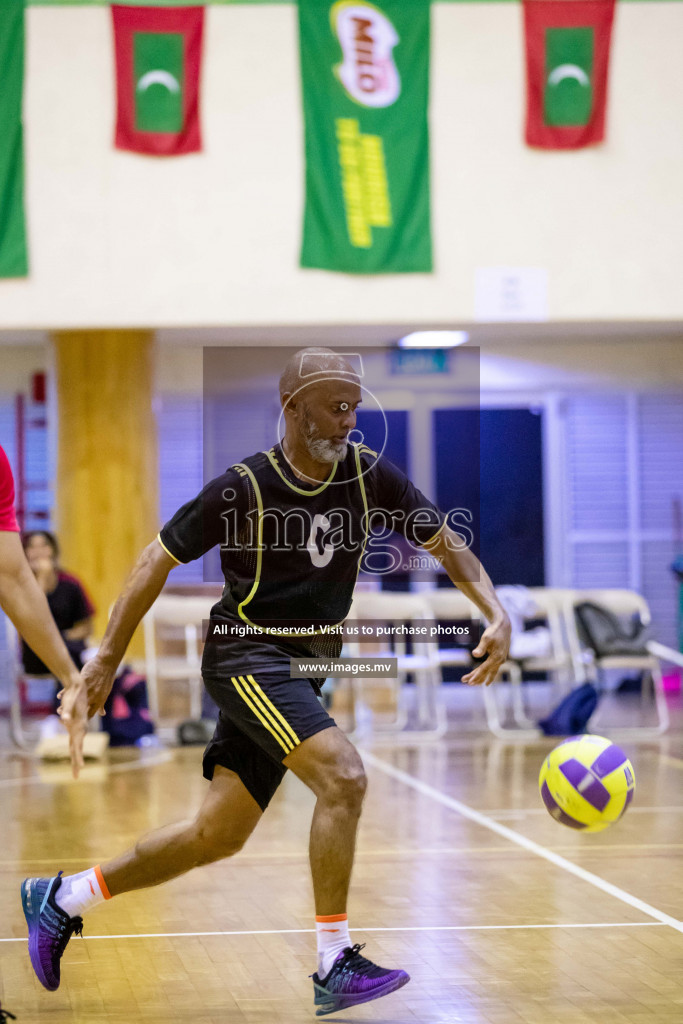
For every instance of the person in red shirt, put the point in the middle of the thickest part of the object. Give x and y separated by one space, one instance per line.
8 519
24 602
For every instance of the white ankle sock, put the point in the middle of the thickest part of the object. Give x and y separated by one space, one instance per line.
333 936
82 892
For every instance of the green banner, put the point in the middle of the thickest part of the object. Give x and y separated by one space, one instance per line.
13 260
158 60
365 76
568 94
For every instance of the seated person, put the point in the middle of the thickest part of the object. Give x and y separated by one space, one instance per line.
71 607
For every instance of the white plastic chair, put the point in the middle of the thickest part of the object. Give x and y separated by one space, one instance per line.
395 609
175 617
552 605
564 665
626 603
450 604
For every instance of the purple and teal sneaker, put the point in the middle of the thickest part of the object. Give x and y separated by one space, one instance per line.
49 927
352 980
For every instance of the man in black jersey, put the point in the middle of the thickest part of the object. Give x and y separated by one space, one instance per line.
292 524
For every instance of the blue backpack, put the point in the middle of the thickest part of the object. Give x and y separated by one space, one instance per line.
572 714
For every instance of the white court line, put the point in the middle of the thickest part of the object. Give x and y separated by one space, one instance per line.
520 840
417 928
130 766
541 811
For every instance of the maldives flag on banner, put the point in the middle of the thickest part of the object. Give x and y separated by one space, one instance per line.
158 57
567 56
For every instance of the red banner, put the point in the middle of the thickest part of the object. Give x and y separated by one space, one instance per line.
158 59
567 59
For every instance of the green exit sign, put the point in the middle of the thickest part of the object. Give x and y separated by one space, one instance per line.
414 361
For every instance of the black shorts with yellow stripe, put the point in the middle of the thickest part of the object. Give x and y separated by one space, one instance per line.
263 718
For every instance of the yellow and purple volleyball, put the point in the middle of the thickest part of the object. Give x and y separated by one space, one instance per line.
587 783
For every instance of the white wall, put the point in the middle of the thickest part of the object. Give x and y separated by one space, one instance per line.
210 239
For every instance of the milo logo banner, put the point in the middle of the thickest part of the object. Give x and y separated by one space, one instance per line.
365 75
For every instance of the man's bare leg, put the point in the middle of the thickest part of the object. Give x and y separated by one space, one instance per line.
226 819
330 765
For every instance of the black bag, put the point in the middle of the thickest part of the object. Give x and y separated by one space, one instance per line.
572 713
195 732
609 634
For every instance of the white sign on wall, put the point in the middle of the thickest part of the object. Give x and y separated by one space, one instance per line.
511 293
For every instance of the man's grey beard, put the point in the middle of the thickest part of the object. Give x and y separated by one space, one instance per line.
321 449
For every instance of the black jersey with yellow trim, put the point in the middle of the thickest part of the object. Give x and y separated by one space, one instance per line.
291 551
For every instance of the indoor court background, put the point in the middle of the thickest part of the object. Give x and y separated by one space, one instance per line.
140 266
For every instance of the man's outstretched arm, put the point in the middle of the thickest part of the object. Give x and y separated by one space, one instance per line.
468 574
141 590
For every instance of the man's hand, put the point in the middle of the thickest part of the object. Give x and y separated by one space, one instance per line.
467 573
98 677
83 697
494 647
73 711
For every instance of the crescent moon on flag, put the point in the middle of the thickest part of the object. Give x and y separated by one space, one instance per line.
164 78
563 71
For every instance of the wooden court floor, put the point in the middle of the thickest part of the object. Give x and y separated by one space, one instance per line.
500 915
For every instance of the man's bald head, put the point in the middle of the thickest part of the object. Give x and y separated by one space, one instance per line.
314 365
319 391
